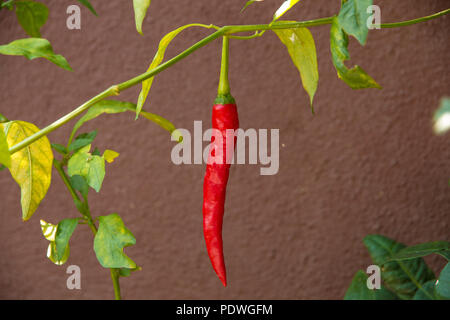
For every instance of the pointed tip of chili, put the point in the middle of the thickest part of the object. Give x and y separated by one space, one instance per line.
224 280
219 268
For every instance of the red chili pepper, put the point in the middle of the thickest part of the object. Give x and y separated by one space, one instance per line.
224 116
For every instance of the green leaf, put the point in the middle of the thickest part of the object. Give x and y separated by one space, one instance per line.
3 118
428 291
249 3
5 156
31 167
83 140
104 106
32 48
163 123
113 107
64 232
285 7
421 250
79 183
81 206
402 277
49 231
441 117
358 290
159 56
302 49
2 167
353 18
443 284
32 16
356 77
59 148
445 254
125 272
51 254
96 152
140 10
90 167
385 294
110 155
112 237
9 4
88 5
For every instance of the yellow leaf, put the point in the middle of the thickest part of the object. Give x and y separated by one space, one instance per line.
140 10
110 155
51 254
158 58
285 7
5 157
302 49
48 230
31 167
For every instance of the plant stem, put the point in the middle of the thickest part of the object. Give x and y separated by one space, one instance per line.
116 284
227 30
58 123
65 179
414 21
90 222
224 85
276 26
151 73
74 195
7 4
255 35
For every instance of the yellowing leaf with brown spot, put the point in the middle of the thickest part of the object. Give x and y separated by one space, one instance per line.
31 167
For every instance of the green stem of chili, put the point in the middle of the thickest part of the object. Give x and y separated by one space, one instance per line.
224 84
115 279
223 91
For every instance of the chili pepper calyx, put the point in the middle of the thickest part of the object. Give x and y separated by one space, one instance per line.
224 99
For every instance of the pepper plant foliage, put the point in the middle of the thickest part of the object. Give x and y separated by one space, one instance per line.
30 157
404 272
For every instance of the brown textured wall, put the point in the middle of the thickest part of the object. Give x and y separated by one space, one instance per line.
367 162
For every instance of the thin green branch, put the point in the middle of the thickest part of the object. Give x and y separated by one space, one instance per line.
65 179
255 35
276 26
113 91
228 31
8 4
151 73
89 220
115 279
414 21
73 193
